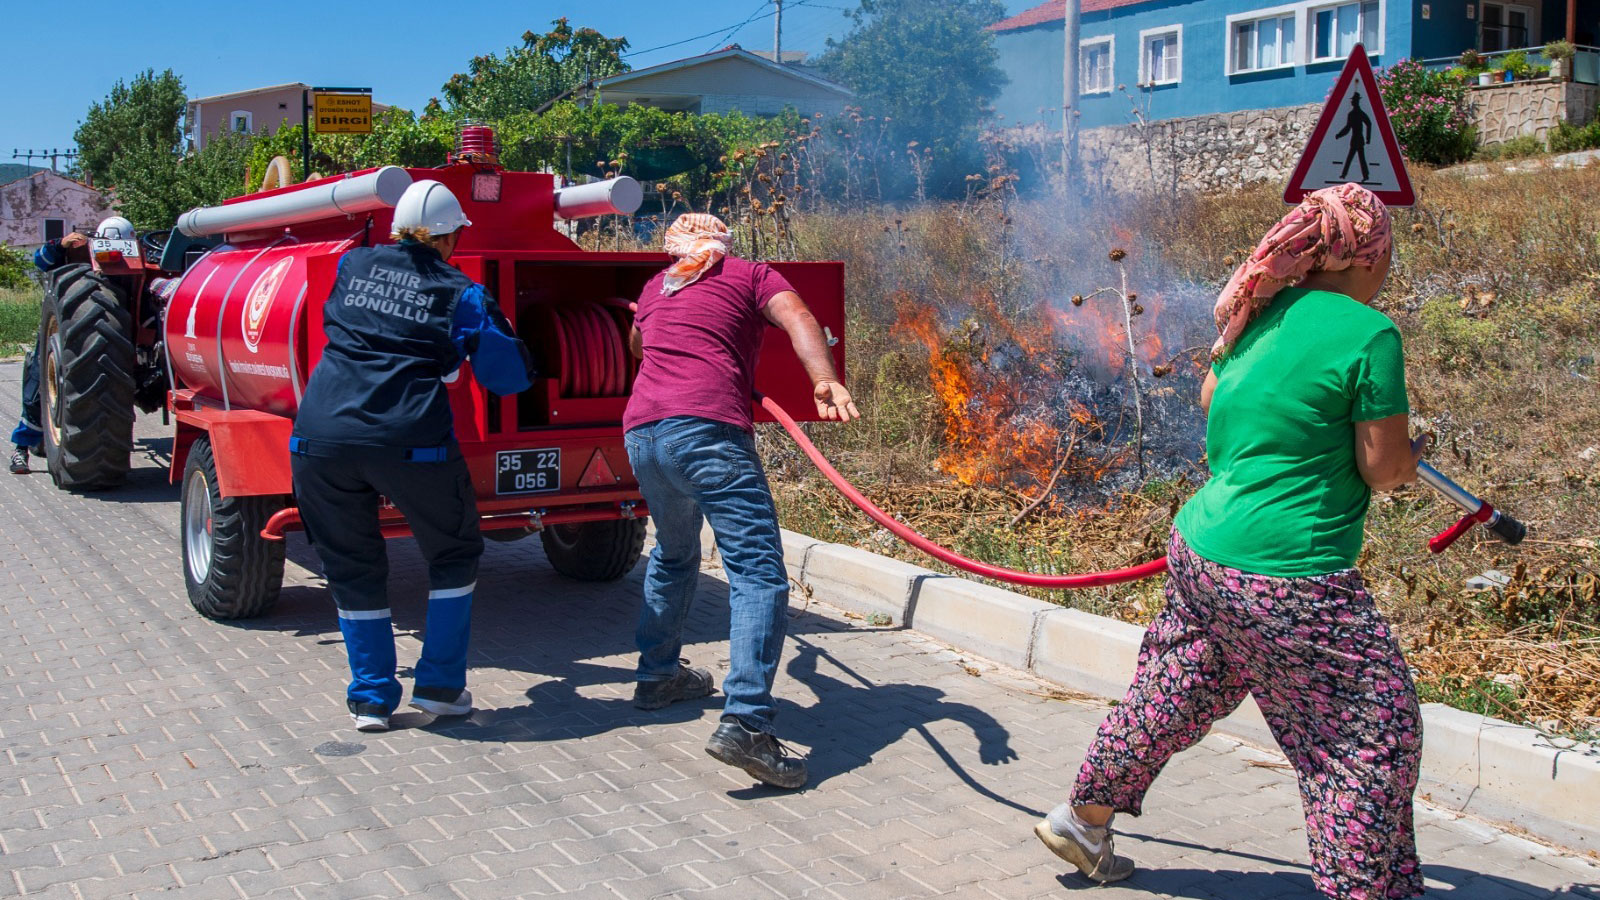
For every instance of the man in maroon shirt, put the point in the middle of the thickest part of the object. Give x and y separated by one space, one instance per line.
689 435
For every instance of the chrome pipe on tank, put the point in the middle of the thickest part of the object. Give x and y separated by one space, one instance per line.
347 196
619 196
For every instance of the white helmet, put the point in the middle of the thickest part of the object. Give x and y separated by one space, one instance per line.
115 228
429 204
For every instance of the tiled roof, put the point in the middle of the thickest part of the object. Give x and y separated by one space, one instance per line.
1054 11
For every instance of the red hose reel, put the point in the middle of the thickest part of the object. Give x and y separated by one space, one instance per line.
589 341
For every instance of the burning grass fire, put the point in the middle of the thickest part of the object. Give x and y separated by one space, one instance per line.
1049 395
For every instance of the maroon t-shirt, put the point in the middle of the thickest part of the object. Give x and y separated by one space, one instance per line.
700 344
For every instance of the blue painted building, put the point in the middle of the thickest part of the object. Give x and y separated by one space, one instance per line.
1181 58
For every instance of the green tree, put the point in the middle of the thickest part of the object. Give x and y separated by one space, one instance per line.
398 138
155 186
929 67
529 76
142 116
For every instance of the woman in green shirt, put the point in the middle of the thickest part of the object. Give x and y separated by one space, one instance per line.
1307 415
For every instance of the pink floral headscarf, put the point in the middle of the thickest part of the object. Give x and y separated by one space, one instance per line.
1332 229
698 240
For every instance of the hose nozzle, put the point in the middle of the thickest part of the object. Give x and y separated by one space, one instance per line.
1497 523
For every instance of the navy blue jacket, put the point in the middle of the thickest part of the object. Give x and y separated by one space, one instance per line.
399 321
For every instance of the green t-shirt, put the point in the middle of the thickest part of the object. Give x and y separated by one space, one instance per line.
1285 497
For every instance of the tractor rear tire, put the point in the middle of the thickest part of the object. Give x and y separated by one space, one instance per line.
86 387
594 551
230 570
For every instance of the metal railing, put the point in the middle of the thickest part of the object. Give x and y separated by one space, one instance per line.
1585 65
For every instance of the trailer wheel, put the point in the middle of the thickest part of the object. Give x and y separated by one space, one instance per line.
594 551
231 571
86 380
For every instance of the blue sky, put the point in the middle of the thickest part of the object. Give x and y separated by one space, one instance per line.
404 50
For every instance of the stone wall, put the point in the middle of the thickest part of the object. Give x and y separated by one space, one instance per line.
1502 112
1230 150
1215 152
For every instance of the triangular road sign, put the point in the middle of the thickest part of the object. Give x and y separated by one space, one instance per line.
1353 142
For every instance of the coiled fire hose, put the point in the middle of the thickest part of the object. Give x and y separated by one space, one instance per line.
578 344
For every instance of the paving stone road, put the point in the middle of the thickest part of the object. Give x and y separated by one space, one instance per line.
149 751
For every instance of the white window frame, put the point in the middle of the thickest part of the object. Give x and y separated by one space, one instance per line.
249 121
1297 11
1311 30
1506 6
1111 65
1145 78
1303 28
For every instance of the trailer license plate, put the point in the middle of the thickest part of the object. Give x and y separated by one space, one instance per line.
527 471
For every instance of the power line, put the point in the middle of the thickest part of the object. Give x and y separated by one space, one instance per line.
754 17
698 36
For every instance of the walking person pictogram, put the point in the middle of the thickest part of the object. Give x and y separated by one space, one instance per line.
1359 126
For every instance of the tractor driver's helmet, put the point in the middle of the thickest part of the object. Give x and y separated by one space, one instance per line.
115 228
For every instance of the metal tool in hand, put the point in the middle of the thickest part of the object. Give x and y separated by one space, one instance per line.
1477 510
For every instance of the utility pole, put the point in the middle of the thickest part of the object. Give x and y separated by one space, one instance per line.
777 33
1069 92
30 155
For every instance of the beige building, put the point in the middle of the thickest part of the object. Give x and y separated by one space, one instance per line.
44 205
256 111
730 80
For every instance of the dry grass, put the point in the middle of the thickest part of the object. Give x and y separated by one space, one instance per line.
1494 287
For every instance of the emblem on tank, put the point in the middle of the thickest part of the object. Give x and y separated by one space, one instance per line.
256 304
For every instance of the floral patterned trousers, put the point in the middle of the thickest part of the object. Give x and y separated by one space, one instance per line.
1328 675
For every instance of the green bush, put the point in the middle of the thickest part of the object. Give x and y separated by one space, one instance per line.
1569 138
1517 148
14 268
1429 113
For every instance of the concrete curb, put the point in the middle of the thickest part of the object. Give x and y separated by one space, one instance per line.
1473 764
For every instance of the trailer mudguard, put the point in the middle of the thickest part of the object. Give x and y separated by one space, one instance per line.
251 449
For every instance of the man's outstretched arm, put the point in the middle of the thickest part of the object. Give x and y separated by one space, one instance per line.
789 312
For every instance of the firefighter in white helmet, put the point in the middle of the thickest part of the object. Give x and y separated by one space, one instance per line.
375 422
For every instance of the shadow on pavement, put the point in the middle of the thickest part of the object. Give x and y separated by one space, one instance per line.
550 628
852 722
1202 884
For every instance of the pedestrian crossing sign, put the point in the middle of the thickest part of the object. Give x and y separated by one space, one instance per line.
1353 142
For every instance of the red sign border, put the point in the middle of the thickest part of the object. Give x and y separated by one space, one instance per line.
1405 195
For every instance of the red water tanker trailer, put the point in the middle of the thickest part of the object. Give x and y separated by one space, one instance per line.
243 331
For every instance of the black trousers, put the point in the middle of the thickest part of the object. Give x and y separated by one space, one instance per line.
338 499
29 430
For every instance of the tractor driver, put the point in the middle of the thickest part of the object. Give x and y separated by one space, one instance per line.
376 421
29 434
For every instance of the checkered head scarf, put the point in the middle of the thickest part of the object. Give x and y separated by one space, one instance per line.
699 241
1332 229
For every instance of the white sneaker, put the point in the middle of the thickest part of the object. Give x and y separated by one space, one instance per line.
1086 846
461 706
370 723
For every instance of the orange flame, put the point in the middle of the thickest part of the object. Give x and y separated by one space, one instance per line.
989 438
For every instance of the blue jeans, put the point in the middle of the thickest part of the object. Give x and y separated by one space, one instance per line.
687 468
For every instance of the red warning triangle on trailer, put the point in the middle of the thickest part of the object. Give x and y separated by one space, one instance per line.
1353 142
598 472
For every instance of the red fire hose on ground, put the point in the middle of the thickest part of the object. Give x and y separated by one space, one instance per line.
905 533
580 344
